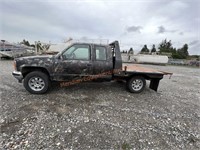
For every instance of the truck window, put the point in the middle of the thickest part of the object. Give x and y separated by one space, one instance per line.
78 52
100 53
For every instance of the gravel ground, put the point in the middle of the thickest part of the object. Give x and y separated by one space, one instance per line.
102 115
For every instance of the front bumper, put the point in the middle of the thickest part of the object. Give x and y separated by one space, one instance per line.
18 75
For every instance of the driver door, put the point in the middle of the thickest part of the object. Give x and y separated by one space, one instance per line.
76 62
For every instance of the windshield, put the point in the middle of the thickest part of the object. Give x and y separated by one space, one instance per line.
58 54
77 51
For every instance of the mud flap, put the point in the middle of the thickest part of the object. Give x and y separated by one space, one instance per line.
154 84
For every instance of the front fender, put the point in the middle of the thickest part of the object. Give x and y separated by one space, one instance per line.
25 69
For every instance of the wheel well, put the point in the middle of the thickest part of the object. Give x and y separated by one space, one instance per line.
27 70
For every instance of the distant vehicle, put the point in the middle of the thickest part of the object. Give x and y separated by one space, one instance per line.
83 62
177 62
9 50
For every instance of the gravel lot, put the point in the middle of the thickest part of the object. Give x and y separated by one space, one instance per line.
102 115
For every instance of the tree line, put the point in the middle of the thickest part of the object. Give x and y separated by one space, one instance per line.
165 47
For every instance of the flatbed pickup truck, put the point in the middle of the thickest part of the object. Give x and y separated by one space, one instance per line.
82 61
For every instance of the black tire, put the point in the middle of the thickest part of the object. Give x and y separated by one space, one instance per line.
136 84
36 82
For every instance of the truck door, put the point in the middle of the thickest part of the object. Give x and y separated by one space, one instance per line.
76 61
102 63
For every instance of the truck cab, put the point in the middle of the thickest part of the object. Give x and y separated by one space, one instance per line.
83 59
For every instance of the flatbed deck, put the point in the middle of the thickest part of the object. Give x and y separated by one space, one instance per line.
138 68
129 70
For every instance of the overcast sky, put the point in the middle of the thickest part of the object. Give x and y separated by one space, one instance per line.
132 22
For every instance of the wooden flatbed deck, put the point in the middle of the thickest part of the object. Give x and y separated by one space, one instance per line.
138 68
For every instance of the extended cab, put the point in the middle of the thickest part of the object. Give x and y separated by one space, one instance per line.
83 61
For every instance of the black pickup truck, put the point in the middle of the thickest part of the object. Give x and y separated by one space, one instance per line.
82 62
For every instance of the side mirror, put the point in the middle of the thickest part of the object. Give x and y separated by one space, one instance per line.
59 56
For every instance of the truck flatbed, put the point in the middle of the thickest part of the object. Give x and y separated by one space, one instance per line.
137 71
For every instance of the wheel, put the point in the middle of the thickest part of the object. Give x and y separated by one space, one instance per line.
136 84
36 82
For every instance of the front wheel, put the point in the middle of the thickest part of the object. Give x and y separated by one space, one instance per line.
36 82
136 84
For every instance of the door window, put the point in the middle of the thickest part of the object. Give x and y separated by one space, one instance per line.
100 53
78 52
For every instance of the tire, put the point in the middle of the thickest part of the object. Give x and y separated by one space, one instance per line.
136 84
36 82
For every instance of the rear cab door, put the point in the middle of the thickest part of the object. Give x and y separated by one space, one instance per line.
102 61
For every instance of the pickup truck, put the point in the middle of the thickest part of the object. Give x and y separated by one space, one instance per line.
81 60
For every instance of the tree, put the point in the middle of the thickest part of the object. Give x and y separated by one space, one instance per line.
183 52
165 46
153 50
145 49
130 51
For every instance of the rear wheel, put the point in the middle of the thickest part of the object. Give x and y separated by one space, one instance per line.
136 84
36 82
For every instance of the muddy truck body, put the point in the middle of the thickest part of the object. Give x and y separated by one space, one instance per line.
82 62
